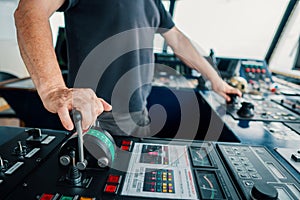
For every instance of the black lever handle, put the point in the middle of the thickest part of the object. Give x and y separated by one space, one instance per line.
76 116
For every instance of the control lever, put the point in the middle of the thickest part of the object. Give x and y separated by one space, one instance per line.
20 150
96 148
73 175
3 164
77 118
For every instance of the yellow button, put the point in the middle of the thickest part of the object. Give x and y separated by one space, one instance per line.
86 198
164 191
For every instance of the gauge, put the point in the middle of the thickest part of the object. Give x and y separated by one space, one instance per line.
200 157
209 185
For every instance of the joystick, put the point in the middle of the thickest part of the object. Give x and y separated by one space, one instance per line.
264 191
96 148
233 99
73 175
247 110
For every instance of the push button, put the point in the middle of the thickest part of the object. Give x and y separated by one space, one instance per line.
47 197
248 183
114 179
125 148
66 198
87 198
126 143
112 189
296 157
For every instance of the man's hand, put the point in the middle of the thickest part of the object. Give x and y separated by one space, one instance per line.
62 100
223 89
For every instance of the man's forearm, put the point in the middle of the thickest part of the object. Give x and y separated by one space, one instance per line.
36 47
184 49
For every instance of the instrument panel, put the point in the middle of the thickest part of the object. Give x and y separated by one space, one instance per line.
147 169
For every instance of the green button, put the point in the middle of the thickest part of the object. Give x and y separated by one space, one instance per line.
66 198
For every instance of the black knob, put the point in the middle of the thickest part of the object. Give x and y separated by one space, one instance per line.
233 99
282 101
247 110
36 133
263 191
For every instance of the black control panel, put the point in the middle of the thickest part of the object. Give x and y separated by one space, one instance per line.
254 166
24 154
255 71
144 169
252 70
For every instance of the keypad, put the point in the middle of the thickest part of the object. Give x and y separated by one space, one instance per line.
159 180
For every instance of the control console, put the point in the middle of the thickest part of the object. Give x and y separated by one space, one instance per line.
22 155
259 108
143 169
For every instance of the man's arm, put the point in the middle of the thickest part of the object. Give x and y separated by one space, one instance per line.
36 47
184 49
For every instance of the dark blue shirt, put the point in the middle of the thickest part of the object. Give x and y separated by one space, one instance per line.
110 48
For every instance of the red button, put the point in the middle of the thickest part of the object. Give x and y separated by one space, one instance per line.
253 70
247 70
111 188
258 70
46 197
273 89
263 71
125 148
113 179
126 142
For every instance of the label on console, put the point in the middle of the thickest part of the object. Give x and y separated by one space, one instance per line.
48 140
160 171
32 152
14 168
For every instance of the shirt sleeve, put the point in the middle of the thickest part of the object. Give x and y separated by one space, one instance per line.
166 22
67 5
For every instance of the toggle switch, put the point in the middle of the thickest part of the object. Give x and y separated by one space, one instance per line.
20 149
3 164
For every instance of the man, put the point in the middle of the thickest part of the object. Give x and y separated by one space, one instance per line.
125 27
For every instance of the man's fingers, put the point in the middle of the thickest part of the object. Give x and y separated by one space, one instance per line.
235 91
106 106
226 97
65 118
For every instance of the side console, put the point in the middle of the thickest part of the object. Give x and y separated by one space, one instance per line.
25 153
